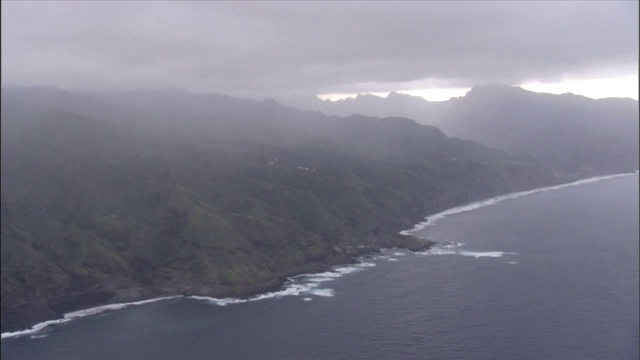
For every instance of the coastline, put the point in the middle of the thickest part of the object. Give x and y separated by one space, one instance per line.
431 219
123 298
126 298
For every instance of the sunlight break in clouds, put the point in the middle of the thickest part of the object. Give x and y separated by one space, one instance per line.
435 94
624 87
621 87
280 49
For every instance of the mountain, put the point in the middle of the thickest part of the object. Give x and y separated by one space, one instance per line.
395 104
570 135
111 197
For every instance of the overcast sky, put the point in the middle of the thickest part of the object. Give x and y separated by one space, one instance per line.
271 49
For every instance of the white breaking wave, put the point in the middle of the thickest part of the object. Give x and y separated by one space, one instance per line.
100 309
478 254
454 249
35 328
442 249
216 301
366 264
321 279
80 314
432 219
322 292
305 284
297 287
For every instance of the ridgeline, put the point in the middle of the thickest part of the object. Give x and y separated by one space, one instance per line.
119 197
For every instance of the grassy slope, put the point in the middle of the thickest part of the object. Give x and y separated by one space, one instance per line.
92 207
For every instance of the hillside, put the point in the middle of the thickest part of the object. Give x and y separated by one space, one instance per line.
569 135
123 196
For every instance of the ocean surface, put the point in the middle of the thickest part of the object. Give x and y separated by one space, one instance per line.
548 274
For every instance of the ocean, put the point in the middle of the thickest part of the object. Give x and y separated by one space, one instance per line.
546 274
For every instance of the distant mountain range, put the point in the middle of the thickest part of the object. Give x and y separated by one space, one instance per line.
571 135
111 197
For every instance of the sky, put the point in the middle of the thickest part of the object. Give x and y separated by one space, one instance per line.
332 49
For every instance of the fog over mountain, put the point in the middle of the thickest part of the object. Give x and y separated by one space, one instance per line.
170 192
179 148
125 196
269 49
569 134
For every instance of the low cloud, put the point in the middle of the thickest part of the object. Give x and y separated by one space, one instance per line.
283 48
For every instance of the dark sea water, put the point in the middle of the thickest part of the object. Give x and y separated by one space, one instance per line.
550 275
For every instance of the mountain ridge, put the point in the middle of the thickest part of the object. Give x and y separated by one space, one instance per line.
570 135
123 197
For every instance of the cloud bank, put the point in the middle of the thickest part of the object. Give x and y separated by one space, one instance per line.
258 49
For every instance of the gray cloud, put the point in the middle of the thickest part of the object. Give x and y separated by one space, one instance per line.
262 48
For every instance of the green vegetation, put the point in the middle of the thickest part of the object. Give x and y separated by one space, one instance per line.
571 136
103 201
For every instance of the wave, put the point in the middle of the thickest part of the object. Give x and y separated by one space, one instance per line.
454 249
80 314
99 309
308 284
478 254
322 292
305 284
35 328
432 219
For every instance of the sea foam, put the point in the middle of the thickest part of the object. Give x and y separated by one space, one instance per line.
432 219
454 249
322 292
80 314
308 283
305 284
478 254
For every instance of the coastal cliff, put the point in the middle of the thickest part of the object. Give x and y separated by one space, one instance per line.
104 202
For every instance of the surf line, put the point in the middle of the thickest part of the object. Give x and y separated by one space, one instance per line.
295 288
303 284
80 314
432 219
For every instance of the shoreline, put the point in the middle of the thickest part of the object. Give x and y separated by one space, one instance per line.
431 219
402 240
270 291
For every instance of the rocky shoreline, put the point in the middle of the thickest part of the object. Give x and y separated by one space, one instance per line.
28 314
122 289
